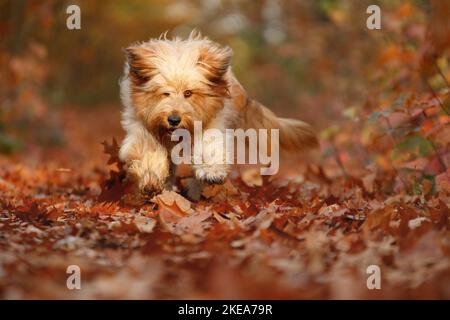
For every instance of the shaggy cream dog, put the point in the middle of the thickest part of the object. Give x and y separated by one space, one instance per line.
169 84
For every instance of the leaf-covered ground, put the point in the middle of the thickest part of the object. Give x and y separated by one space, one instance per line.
377 194
301 235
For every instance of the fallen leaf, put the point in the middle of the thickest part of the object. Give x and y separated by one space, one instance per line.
443 182
252 177
368 182
169 198
145 224
415 223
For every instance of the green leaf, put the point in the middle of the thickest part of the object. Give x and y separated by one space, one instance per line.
9 144
329 132
416 145
374 116
350 113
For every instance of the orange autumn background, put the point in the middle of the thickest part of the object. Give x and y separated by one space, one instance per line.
377 192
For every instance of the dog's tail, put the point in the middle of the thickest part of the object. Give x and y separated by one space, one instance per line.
295 135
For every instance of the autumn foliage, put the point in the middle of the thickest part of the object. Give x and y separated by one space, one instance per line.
377 193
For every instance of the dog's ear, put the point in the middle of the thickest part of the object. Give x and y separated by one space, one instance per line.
139 59
215 62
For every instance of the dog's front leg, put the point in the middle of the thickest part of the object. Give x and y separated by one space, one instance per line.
147 163
210 161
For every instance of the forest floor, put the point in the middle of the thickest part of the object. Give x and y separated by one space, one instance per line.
302 235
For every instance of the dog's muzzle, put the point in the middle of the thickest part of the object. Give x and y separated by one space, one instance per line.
174 120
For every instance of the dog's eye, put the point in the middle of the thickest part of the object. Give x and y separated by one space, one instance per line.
187 93
166 94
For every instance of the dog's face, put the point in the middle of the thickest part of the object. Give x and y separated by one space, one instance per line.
176 82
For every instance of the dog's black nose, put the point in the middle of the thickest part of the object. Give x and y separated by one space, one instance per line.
174 120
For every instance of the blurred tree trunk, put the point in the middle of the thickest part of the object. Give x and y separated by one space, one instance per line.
19 25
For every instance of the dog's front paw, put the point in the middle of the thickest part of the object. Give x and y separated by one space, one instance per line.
211 175
148 184
150 190
214 180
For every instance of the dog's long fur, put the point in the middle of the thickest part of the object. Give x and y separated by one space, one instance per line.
191 78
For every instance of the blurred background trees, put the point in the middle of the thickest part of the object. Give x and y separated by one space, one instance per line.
378 97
